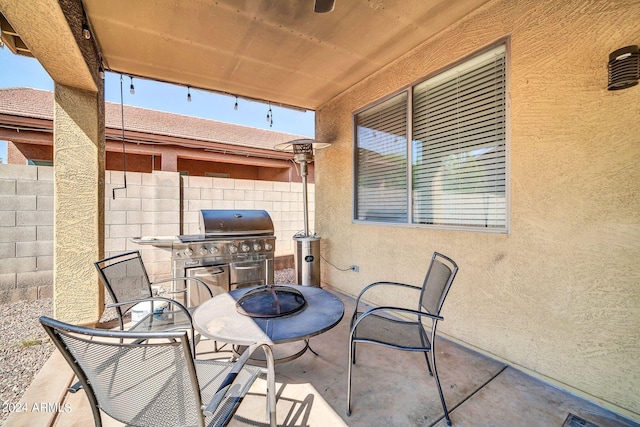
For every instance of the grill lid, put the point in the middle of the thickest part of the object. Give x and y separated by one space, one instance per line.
227 222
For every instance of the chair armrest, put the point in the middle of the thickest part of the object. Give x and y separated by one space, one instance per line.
375 310
376 284
175 279
169 300
217 398
397 284
75 387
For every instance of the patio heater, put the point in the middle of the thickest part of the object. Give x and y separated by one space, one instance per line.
307 253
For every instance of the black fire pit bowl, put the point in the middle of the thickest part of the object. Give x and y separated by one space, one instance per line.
271 301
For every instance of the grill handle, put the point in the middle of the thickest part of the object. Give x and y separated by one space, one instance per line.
209 273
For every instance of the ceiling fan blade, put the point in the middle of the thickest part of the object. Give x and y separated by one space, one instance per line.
324 6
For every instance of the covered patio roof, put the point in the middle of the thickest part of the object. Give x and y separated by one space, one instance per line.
271 50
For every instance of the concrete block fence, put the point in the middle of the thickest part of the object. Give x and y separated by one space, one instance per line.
155 204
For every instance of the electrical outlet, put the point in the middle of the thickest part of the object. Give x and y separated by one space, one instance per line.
355 268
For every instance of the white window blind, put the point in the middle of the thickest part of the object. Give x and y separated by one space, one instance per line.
459 145
381 161
457 160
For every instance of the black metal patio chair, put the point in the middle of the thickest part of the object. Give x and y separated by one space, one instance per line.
127 282
402 328
152 379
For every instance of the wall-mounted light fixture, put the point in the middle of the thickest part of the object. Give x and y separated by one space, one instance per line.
624 68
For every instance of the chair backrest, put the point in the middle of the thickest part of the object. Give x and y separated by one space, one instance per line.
125 278
142 379
437 282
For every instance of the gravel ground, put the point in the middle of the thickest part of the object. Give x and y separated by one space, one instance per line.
25 346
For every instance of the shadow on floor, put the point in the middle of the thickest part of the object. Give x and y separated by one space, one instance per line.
390 388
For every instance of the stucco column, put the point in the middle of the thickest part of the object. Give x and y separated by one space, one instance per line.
78 156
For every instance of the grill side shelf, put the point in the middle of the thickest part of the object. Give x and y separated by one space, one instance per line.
166 242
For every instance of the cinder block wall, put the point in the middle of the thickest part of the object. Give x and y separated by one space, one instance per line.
26 232
283 201
157 204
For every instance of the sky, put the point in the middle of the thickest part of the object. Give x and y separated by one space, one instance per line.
19 71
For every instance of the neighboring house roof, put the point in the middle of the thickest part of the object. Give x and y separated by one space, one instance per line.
38 104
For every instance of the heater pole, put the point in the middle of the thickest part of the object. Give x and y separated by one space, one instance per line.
305 197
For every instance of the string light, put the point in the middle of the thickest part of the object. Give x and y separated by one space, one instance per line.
188 94
86 33
235 107
132 90
101 72
270 116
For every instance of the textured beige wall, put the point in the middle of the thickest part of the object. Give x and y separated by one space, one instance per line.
78 213
559 295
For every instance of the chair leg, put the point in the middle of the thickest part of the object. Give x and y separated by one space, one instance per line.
193 343
425 343
352 361
271 386
444 405
426 357
349 370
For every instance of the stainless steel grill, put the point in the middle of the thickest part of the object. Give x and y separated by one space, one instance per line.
235 249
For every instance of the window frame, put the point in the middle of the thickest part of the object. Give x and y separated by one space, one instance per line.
409 89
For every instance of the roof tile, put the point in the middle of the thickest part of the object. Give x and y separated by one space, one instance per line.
36 103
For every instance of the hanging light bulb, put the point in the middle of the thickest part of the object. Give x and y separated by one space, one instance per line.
270 116
132 90
188 94
235 107
86 33
101 72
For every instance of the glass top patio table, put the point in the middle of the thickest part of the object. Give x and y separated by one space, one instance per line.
219 320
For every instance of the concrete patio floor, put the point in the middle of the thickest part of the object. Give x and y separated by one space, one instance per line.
390 388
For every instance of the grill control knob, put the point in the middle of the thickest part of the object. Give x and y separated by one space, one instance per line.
214 250
245 248
203 251
188 252
233 249
267 246
257 247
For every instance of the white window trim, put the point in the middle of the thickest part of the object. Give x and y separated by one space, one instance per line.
470 60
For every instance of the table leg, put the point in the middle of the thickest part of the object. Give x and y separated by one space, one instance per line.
257 359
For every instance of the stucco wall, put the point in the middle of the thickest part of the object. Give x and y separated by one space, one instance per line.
559 295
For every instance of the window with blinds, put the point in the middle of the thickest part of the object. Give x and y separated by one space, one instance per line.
456 160
381 161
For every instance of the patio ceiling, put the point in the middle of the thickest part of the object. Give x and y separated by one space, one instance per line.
272 50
